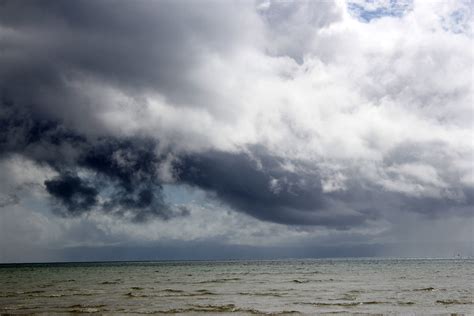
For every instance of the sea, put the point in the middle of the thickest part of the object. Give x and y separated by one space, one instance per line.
279 287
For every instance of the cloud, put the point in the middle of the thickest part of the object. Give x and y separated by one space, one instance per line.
116 175
258 184
137 48
327 114
72 192
291 26
6 200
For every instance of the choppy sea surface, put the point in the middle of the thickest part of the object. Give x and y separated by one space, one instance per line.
287 287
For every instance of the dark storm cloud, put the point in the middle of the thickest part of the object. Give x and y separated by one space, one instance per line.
123 171
131 166
127 161
44 140
46 45
135 46
247 185
73 192
259 185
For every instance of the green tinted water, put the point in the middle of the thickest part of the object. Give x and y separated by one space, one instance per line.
240 287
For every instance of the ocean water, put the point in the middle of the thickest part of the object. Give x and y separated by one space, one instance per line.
288 287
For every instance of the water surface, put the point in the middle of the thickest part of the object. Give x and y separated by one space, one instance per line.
289 287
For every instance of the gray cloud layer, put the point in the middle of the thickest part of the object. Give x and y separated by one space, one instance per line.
294 113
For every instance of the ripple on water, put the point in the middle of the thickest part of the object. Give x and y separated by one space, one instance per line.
219 280
359 288
341 304
314 280
131 294
32 292
172 291
79 308
205 292
271 294
300 281
77 293
8 294
348 297
56 295
118 281
425 289
228 308
180 293
454 302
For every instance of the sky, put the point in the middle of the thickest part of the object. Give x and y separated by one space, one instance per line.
165 130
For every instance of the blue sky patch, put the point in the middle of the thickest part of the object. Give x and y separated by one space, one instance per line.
369 10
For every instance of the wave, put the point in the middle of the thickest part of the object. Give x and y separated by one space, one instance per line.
300 281
205 292
32 292
341 304
172 291
348 297
79 308
228 308
261 294
454 302
56 295
118 281
8 294
219 280
307 281
180 293
131 294
425 289
83 294
51 295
